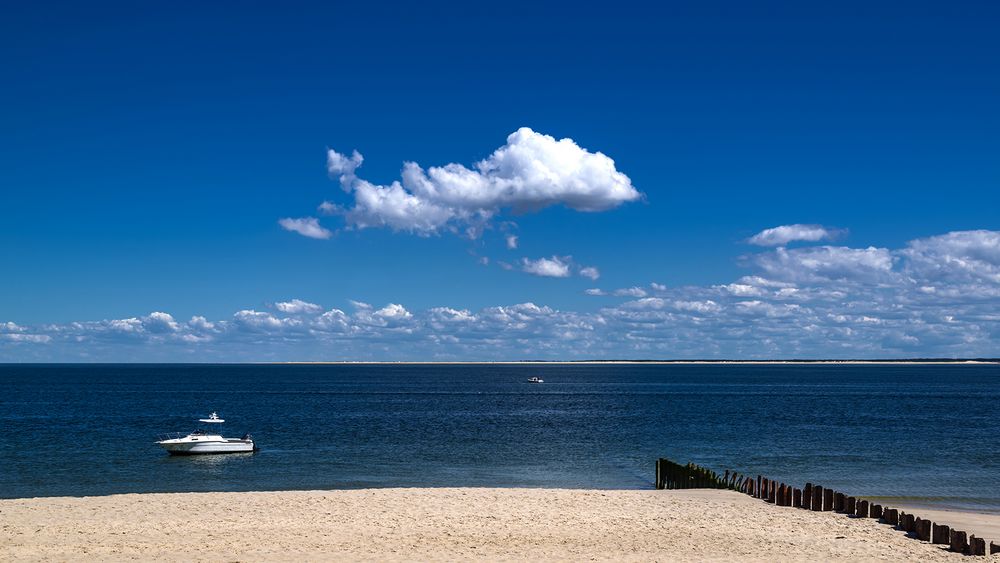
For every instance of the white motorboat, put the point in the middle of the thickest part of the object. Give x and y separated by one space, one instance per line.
535 380
206 441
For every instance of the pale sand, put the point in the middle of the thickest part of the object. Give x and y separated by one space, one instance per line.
443 524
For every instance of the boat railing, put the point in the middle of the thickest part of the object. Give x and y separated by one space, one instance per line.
171 436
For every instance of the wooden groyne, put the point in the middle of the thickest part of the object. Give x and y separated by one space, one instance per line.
671 475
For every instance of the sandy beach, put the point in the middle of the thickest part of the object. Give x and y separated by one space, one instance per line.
442 524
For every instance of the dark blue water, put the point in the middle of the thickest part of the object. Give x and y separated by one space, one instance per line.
927 432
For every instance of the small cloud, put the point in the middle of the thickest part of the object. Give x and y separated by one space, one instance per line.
590 272
343 167
305 226
554 267
512 241
595 291
780 236
658 286
630 292
298 307
484 260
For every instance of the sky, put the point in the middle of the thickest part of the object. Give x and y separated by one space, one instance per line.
442 181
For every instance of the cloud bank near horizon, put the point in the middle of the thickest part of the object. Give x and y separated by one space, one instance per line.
936 296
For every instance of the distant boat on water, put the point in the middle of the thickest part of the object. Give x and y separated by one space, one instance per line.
535 380
205 441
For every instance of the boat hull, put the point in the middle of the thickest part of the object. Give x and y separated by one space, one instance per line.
208 448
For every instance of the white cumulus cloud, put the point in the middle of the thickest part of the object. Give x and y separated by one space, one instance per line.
297 307
554 267
828 263
530 172
780 236
305 226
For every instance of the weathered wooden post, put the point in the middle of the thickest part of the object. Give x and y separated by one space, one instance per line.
876 511
797 498
788 495
922 528
807 494
779 498
994 548
771 491
838 502
850 505
862 509
890 516
817 500
941 534
906 521
828 500
759 484
977 546
959 541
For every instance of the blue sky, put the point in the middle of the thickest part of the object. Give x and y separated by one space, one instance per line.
148 152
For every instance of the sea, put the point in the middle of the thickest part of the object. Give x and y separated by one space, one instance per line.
920 434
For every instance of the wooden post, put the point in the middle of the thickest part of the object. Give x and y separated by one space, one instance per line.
828 500
862 510
797 498
994 548
977 546
876 511
780 497
659 476
817 500
771 490
959 541
906 522
941 535
759 481
838 502
807 495
890 516
788 495
923 529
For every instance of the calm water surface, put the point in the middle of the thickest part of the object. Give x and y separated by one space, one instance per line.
929 433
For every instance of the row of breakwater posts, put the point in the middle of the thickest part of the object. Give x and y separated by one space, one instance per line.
670 475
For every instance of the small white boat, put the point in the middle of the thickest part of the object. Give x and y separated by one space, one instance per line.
535 380
204 441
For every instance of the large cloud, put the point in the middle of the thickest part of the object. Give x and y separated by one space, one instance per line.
936 296
532 171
